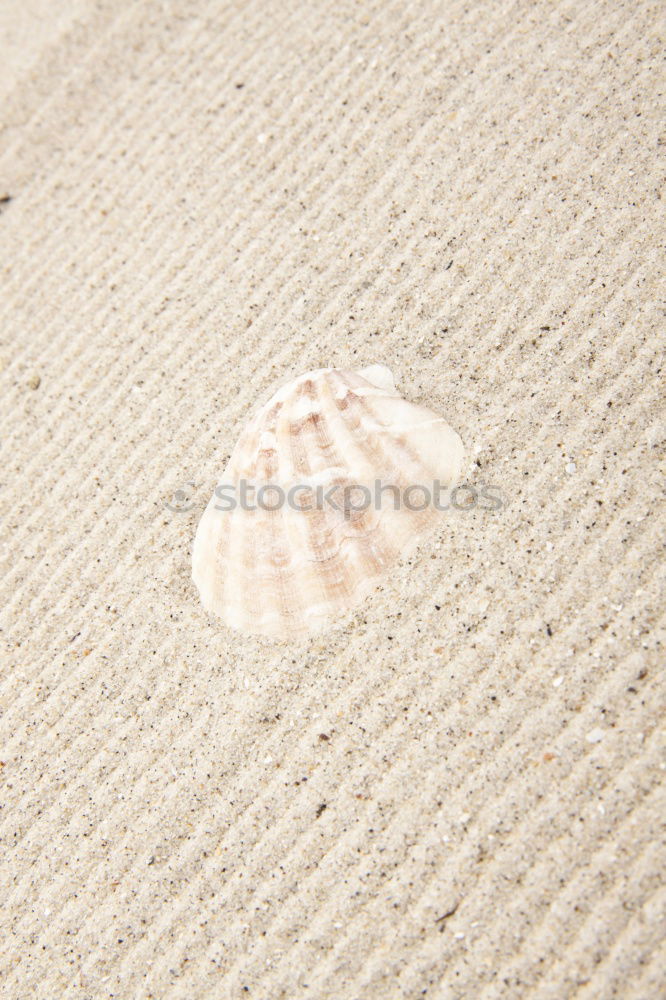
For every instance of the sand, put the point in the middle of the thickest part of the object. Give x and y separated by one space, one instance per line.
457 792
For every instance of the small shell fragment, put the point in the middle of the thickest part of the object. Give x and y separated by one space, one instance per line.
326 489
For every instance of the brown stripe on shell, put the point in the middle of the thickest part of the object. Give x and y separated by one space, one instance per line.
309 436
375 544
271 543
350 407
302 432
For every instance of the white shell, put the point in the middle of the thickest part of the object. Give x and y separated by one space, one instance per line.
290 570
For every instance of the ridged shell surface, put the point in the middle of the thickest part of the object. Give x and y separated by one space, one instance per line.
295 565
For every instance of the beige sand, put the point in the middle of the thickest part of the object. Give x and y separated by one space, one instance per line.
207 197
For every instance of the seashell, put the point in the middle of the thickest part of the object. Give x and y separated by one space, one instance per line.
315 543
